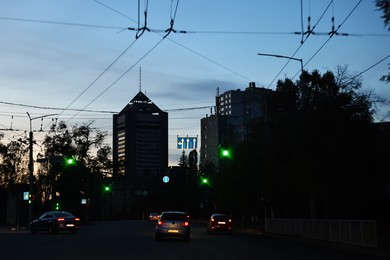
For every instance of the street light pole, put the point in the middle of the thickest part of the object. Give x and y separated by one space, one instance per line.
285 57
303 88
31 166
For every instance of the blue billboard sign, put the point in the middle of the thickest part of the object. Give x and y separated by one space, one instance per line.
187 142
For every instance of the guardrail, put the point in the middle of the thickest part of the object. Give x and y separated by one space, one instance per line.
355 232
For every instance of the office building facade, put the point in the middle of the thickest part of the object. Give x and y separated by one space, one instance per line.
140 151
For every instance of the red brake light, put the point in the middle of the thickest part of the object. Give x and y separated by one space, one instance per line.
185 224
160 222
77 219
60 219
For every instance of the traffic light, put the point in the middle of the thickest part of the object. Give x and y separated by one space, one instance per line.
225 152
107 188
205 180
70 161
57 206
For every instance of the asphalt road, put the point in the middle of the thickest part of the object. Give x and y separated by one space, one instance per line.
134 239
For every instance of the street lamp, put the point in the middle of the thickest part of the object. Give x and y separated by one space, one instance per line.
285 57
303 89
31 166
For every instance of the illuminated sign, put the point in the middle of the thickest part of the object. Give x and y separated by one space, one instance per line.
26 195
187 142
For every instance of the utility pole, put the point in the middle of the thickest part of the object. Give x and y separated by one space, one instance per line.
31 166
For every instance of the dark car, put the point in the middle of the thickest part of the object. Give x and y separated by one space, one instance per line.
55 221
220 223
173 224
154 216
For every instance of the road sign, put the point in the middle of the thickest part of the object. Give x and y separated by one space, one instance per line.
26 195
187 142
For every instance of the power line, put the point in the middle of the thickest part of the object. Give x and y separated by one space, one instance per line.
95 111
309 33
139 60
332 34
55 108
61 23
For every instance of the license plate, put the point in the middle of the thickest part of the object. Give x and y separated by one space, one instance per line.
70 225
173 231
222 222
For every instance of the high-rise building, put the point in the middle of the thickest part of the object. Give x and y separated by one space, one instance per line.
140 149
235 112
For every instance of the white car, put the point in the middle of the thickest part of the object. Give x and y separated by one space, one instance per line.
173 224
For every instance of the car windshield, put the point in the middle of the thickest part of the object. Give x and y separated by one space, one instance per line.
173 216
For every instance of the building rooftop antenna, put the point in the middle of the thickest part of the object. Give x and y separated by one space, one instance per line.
140 79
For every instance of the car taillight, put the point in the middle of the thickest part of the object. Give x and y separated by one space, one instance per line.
160 222
185 224
77 219
60 219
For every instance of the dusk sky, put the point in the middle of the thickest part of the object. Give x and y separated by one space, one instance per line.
65 56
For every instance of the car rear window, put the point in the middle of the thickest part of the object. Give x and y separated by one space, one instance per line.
220 217
173 216
64 214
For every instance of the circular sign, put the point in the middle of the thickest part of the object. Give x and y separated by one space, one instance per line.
165 179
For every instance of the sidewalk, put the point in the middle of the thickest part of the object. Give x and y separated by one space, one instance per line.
13 229
383 248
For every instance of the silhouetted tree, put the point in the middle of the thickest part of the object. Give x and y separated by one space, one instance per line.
321 148
183 160
13 163
193 162
84 179
384 6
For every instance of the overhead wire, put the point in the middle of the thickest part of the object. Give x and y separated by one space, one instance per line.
131 67
101 74
187 31
307 33
61 23
332 34
141 30
172 30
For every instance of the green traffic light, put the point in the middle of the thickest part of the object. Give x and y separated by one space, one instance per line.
205 181
107 188
70 161
225 153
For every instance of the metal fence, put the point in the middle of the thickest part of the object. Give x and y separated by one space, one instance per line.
356 232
